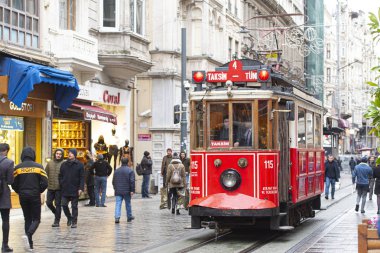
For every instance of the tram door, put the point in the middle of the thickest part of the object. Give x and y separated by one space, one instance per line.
284 172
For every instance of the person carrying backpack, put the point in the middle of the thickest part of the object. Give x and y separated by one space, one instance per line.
175 180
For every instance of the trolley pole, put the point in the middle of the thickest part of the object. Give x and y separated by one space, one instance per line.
183 91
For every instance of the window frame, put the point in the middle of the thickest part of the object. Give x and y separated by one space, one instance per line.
133 29
117 17
303 145
74 14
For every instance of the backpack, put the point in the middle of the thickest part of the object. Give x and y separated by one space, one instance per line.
176 176
139 169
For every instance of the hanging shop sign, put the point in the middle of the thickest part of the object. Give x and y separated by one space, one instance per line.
93 115
11 123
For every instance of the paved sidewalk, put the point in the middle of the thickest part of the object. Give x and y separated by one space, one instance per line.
97 231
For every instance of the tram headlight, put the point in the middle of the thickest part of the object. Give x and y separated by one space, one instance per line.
230 179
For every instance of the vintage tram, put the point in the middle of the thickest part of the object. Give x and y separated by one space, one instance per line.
256 151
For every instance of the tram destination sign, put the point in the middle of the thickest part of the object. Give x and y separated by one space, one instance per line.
236 73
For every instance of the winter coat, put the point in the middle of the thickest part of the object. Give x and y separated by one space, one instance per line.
52 171
123 181
88 176
332 170
352 164
6 173
101 168
176 164
146 164
165 163
362 174
186 162
71 178
376 175
30 178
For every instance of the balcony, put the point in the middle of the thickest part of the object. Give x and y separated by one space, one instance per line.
75 51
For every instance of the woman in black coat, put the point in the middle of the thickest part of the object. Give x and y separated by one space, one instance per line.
376 175
146 164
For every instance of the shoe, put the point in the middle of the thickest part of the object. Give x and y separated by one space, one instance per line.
103 206
26 242
177 213
326 197
173 211
148 197
362 211
332 198
74 225
117 220
5 248
378 211
69 222
97 205
357 208
130 219
370 198
55 224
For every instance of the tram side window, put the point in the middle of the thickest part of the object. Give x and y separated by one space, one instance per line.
309 129
263 124
198 115
317 137
219 125
301 128
242 122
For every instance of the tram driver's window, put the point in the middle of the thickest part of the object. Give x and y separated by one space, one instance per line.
242 122
219 125
301 128
263 124
198 114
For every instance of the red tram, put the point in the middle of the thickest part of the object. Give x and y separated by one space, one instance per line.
256 151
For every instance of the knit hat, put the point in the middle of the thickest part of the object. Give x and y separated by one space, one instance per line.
73 151
175 155
100 157
146 153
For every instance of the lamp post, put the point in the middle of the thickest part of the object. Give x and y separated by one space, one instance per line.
183 91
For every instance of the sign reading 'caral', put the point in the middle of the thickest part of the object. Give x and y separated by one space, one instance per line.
11 123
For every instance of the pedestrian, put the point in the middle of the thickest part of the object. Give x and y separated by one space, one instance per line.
332 175
362 173
340 164
30 180
186 162
54 192
89 178
175 180
6 174
101 169
352 165
123 182
71 181
146 164
372 164
164 165
376 175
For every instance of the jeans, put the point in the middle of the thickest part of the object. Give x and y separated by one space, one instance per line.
100 184
145 186
362 194
328 182
74 207
173 195
54 195
371 187
5 220
91 194
31 208
119 201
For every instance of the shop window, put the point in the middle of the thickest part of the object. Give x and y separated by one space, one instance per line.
219 125
263 124
242 124
301 128
67 14
309 129
13 134
20 21
198 113
137 8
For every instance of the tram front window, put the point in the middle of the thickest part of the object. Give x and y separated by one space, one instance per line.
219 125
242 116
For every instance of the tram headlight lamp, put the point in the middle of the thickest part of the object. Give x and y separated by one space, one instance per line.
230 179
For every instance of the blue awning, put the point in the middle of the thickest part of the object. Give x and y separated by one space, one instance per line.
22 76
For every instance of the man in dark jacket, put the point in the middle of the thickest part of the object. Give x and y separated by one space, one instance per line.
6 173
101 169
146 164
89 178
54 192
124 184
30 180
186 162
332 175
71 181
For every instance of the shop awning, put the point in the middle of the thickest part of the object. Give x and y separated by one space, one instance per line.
96 113
342 123
23 76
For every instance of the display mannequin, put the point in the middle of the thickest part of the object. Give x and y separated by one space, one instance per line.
127 151
101 147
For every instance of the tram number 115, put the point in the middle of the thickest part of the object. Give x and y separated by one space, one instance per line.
269 164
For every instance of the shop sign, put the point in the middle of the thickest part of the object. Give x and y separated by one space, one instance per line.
103 94
25 107
92 115
144 137
111 99
11 123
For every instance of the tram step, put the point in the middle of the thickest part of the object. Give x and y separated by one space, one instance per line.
285 228
283 214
